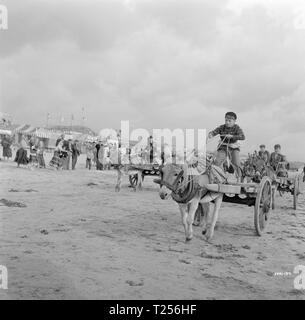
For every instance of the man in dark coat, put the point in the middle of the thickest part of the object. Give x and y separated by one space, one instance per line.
75 153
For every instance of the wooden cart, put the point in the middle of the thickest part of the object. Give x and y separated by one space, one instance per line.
258 195
293 185
146 170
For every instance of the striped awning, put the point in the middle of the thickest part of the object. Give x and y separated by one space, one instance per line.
26 129
22 128
43 133
30 130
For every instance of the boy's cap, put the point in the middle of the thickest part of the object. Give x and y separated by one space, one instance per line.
277 146
262 146
231 115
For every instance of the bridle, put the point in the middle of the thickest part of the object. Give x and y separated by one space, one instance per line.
183 188
175 186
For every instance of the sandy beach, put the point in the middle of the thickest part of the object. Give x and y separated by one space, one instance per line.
70 236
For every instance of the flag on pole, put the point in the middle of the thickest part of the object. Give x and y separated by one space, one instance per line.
84 117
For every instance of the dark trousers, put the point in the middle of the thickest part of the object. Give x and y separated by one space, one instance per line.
88 163
74 160
234 157
99 165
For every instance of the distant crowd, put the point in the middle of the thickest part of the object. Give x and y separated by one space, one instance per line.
31 153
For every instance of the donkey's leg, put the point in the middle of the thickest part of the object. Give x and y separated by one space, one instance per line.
206 210
140 180
192 208
119 181
183 210
211 226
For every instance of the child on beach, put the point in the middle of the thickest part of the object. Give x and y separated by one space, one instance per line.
230 133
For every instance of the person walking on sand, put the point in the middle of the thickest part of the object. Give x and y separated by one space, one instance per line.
33 153
67 152
6 144
21 154
57 159
98 159
40 157
90 155
75 153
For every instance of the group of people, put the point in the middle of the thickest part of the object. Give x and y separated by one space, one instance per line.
36 156
67 151
65 154
275 158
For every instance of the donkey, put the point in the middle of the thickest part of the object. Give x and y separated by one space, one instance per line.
189 189
130 171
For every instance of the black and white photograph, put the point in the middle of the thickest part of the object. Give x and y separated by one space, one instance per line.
152 150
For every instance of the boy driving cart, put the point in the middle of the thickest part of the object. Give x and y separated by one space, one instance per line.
230 133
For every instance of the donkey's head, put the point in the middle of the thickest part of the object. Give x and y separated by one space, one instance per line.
171 176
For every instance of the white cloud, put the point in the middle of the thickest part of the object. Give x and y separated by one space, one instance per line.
158 63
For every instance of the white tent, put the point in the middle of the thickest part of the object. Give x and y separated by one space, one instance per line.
3 131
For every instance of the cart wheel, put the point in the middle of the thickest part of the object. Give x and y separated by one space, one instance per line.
133 179
295 194
263 205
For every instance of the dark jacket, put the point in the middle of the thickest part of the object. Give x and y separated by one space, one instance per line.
75 151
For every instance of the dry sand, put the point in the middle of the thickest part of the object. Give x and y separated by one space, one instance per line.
78 239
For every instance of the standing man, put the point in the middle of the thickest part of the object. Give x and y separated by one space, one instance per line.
230 133
6 144
90 155
75 153
97 155
67 149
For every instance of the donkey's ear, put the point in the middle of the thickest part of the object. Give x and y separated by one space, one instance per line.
158 181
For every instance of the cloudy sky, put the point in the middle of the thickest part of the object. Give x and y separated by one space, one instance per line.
159 63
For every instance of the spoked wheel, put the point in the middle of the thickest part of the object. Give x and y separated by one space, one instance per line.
263 205
133 180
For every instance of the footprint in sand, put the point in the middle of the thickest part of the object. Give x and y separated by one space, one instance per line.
301 256
27 190
134 283
91 184
9 203
186 261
